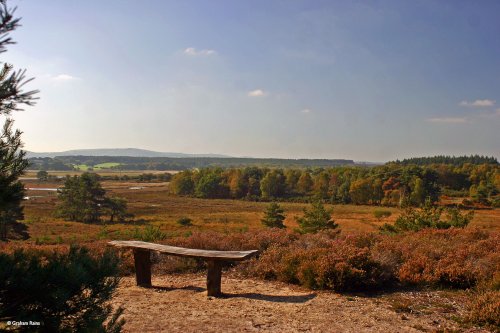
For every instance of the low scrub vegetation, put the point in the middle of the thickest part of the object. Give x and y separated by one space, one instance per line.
185 221
64 292
429 216
453 258
484 309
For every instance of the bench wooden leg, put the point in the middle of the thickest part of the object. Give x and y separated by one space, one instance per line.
142 260
213 278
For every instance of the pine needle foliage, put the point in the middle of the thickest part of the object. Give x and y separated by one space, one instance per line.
274 216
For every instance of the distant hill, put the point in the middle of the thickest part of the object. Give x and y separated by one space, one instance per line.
130 152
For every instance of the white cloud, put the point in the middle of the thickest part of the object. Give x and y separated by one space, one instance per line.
64 78
449 120
257 93
306 111
478 103
191 51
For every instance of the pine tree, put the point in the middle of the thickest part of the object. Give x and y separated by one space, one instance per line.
274 217
81 198
316 218
12 158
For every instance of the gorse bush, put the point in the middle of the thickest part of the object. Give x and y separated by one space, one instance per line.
430 216
66 292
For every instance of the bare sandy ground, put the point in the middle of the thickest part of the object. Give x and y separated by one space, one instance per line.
178 303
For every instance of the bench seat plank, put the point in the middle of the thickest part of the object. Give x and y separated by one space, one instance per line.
183 252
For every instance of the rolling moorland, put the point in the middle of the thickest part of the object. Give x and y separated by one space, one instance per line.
423 280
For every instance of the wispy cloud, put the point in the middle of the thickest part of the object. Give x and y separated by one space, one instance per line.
478 103
257 93
193 52
448 120
306 111
64 78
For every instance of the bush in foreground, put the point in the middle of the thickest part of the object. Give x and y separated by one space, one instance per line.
66 292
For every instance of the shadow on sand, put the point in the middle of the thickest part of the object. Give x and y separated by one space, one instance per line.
255 296
165 289
273 298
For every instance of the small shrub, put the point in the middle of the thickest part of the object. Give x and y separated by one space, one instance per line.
429 217
185 221
316 218
273 217
318 262
148 234
152 234
381 213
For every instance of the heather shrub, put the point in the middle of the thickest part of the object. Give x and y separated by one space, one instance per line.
321 262
252 240
65 292
484 309
452 258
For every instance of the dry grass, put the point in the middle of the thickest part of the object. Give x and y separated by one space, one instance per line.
153 205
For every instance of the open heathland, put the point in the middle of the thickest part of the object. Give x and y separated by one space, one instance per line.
424 281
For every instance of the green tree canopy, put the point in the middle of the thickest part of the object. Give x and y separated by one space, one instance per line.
83 199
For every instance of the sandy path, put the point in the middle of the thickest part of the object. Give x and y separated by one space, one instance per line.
178 303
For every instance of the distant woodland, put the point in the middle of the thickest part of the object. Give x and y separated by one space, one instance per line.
409 182
392 184
63 163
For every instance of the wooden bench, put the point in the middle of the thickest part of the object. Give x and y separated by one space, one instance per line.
214 259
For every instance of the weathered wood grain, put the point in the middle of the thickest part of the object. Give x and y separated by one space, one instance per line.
183 252
142 260
214 278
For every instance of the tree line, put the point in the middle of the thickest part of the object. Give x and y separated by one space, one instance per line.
177 163
445 159
391 184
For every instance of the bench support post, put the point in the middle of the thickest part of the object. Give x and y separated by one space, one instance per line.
142 260
214 277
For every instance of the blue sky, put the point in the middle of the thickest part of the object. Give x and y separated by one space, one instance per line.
365 80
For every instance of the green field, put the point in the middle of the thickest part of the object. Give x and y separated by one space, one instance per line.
85 167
